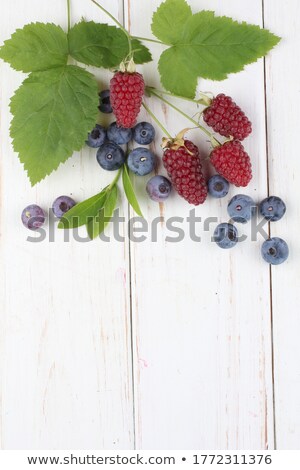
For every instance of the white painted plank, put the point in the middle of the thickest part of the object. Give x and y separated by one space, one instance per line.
201 317
65 319
283 93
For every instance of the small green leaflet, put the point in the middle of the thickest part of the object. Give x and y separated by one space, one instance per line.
204 45
141 54
36 47
129 191
84 211
53 111
168 20
100 221
102 45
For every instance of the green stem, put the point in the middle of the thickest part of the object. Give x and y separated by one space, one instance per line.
157 121
149 40
213 140
118 23
69 14
168 93
114 182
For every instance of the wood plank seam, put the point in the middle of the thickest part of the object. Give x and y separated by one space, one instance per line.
269 234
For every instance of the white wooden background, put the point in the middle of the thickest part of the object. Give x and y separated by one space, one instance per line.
154 345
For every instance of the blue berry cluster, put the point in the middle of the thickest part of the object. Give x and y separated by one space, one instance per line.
33 216
111 156
241 208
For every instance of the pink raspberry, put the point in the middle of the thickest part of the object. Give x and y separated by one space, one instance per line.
126 95
226 118
185 170
232 162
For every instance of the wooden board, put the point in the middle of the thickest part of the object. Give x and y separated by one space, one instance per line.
156 344
201 318
65 316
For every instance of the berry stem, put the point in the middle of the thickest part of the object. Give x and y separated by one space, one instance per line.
149 89
213 140
118 23
114 181
69 14
157 121
149 40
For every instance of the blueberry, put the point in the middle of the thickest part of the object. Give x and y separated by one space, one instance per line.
158 188
272 208
96 137
143 133
218 186
226 235
141 161
33 217
119 135
61 205
104 102
110 156
275 250
241 208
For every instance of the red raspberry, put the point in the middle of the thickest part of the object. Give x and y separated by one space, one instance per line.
232 162
183 165
126 94
226 118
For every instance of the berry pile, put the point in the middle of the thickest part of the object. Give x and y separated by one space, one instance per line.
182 160
241 209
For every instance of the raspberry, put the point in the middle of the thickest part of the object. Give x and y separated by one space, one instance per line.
232 162
183 165
226 118
126 94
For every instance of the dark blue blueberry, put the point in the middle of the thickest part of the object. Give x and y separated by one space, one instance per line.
33 217
141 161
158 188
119 135
272 208
218 186
110 156
96 137
275 250
226 235
144 133
104 102
61 205
241 208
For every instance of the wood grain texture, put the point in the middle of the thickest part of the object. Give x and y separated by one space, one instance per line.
283 93
154 344
201 317
65 318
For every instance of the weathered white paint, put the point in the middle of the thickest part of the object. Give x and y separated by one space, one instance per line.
65 317
283 94
201 318
153 345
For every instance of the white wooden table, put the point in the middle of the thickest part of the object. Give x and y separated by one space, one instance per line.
155 345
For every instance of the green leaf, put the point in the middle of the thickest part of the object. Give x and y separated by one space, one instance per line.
168 20
102 45
84 211
207 46
141 54
129 191
36 47
98 44
53 112
100 221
